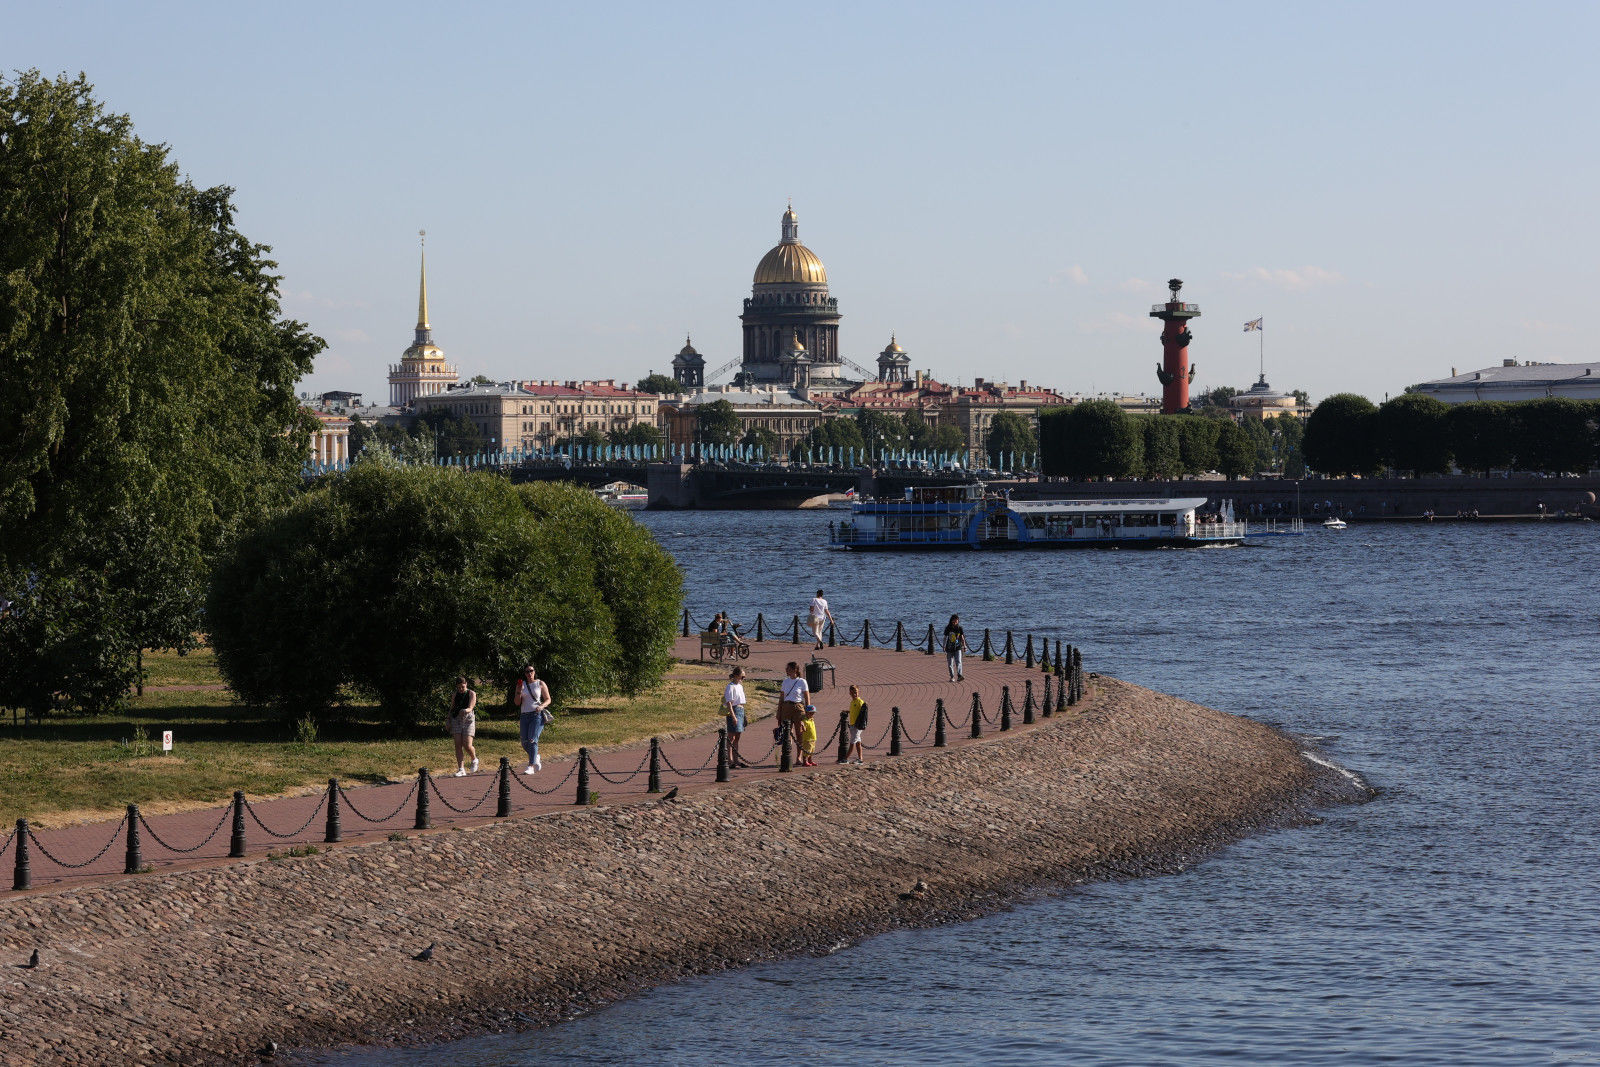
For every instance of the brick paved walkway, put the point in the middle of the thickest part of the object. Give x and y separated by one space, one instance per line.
910 680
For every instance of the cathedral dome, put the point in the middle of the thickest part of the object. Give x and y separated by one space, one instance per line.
790 262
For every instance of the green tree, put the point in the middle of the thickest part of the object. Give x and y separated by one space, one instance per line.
1555 435
882 431
759 437
639 434
663 384
1219 396
1094 439
1011 435
946 438
1411 434
147 403
1163 456
413 445
390 581
1197 443
1236 452
453 434
482 379
841 434
717 423
1480 435
591 437
1341 437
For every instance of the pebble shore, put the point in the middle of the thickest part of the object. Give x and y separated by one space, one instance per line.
535 918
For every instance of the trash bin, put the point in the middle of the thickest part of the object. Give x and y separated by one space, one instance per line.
814 677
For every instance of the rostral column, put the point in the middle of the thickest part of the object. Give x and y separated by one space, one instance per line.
1174 371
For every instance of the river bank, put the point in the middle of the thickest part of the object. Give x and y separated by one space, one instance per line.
535 919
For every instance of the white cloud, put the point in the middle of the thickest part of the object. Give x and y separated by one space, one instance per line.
1074 274
1294 279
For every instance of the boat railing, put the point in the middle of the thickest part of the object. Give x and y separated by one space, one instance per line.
1280 526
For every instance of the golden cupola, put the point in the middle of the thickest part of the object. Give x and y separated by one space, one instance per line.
790 262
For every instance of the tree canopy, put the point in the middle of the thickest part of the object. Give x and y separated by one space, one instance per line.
1341 437
1094 439
147 404
1011 438
391 580
1411 434
717 423
664 384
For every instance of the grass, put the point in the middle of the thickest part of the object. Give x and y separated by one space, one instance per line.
81 768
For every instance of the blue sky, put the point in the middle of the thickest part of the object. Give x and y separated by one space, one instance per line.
1398 189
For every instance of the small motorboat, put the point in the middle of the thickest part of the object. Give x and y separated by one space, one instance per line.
1334 522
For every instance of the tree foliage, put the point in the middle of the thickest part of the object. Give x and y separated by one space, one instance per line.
1163 445
1341 438
1480 435
389 581
147 403
841 434
717 423
763 439
1411 434
453 433
639 434
663 384
1011 435
415 444
1236 452
1094 439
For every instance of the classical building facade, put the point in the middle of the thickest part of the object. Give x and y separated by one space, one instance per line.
789 311
790 416
973 410
1512 381
422 370
535 414
689 366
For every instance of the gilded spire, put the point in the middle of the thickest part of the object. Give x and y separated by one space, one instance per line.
791 226
422 293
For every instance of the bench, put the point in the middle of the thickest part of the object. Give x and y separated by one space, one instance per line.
708 641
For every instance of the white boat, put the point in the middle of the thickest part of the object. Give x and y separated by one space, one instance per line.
1334 522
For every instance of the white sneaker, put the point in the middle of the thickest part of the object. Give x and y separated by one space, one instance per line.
474 766
461 772
538 764
529 769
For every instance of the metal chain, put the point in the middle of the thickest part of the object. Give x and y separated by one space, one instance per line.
688 774
9 837
573 769
226 812
907 734
883 736
367 818
77 866
831 738
494 781
626 778
294 833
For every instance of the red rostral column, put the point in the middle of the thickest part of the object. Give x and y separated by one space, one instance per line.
1174 371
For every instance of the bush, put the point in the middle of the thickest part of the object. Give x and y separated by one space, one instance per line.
390 581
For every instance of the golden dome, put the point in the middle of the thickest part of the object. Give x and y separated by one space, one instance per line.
894 348
791 264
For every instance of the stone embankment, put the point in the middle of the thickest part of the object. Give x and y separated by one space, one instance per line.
533 918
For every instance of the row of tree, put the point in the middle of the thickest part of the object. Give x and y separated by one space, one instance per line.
1097 439
437 434
1419 434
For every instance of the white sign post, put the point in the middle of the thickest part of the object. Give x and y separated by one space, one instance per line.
166 740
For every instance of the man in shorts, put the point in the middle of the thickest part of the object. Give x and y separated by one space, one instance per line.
855 725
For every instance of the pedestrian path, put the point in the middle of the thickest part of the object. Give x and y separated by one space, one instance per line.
912 681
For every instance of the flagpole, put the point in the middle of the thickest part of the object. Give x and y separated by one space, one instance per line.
1261 347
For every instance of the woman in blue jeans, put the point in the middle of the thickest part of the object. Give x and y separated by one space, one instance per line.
533 697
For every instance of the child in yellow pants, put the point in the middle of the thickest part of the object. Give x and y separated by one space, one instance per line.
808 737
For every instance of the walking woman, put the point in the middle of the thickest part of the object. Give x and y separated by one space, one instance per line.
464 726
792 700
533 698
733 707
955 639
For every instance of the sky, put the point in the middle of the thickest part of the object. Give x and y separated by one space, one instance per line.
1400 191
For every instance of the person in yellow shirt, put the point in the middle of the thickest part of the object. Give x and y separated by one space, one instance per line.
808 737
857 723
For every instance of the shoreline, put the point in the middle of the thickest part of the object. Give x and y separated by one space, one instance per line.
538 919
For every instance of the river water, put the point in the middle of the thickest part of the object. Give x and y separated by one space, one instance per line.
1453 920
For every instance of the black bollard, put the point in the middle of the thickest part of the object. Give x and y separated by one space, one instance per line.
1027 702
22 872
722 754
930 639
786 754
502 810
760 624
1011 654
899 637
583 777
831 642
866 633
424 818
977 716
988 647
655 765
331 830
134 858
1048 706
1005 708
796 630
236 847
1027 657
938 723
1061 698
844 736
894 731
1058 659
686 622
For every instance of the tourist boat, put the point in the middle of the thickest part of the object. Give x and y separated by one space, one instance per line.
966 516
623 494
1334 522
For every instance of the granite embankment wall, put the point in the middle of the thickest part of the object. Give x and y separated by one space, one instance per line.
534 917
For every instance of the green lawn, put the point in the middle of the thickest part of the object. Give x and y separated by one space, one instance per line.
77 768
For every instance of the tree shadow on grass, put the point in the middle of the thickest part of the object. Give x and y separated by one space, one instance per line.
221 723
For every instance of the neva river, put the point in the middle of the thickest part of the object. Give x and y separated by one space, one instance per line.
1453 920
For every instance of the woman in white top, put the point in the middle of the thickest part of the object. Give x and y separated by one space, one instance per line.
819 613
533 700
792 700
733 708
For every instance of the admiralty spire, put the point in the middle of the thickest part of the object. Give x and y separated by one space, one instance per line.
422 370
